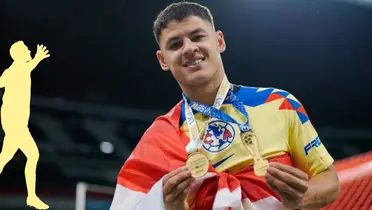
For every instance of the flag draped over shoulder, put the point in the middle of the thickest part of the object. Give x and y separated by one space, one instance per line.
162 150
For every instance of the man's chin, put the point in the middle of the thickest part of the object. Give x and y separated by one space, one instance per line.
198 79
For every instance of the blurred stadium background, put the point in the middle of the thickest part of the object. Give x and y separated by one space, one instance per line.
102 86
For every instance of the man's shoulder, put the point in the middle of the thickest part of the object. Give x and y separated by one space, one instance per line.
256 96
259 89
6 71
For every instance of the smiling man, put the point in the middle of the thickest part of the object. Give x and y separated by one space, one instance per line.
261 149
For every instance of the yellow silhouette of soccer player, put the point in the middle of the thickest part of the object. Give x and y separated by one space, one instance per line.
15 113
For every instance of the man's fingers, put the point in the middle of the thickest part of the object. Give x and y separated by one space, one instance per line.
269 181
41 47
281 188
179 192
182 196
175 180
291 170
173 173
288 179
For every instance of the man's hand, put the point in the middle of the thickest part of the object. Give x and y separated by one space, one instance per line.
176 186
41 52
289 183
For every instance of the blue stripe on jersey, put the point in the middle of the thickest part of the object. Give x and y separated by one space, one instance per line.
250 96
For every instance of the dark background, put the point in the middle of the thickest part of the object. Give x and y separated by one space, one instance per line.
103 81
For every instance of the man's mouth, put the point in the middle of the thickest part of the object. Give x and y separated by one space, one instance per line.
194 62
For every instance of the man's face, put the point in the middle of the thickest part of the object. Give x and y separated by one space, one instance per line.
23 53
27 53
191 49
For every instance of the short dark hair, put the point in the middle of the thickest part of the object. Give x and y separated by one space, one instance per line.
179 11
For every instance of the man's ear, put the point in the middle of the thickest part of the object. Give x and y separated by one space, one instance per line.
221 42
161 60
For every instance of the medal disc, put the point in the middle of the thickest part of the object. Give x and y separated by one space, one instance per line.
198 164
260 167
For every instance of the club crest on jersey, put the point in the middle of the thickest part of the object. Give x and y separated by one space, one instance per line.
218 136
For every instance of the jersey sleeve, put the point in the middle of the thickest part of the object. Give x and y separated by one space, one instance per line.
308 153
139 183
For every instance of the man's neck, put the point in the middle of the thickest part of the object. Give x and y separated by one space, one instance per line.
204 94
18 63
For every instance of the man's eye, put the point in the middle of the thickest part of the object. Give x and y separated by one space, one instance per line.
197 38
175 45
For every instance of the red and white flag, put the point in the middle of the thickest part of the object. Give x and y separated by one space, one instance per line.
162 150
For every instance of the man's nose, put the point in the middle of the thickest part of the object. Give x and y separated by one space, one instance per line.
189 47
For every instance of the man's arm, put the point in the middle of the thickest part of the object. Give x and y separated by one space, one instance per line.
2 79
33 63
41 54
312 182
297 192
2 82
323 189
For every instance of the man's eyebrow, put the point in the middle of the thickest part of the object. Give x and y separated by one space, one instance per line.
172 39
198 30
195 31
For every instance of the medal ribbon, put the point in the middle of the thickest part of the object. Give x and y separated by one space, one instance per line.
215 113
195 138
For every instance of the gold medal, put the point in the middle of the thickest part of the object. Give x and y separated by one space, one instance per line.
250 141
260 167
198 164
